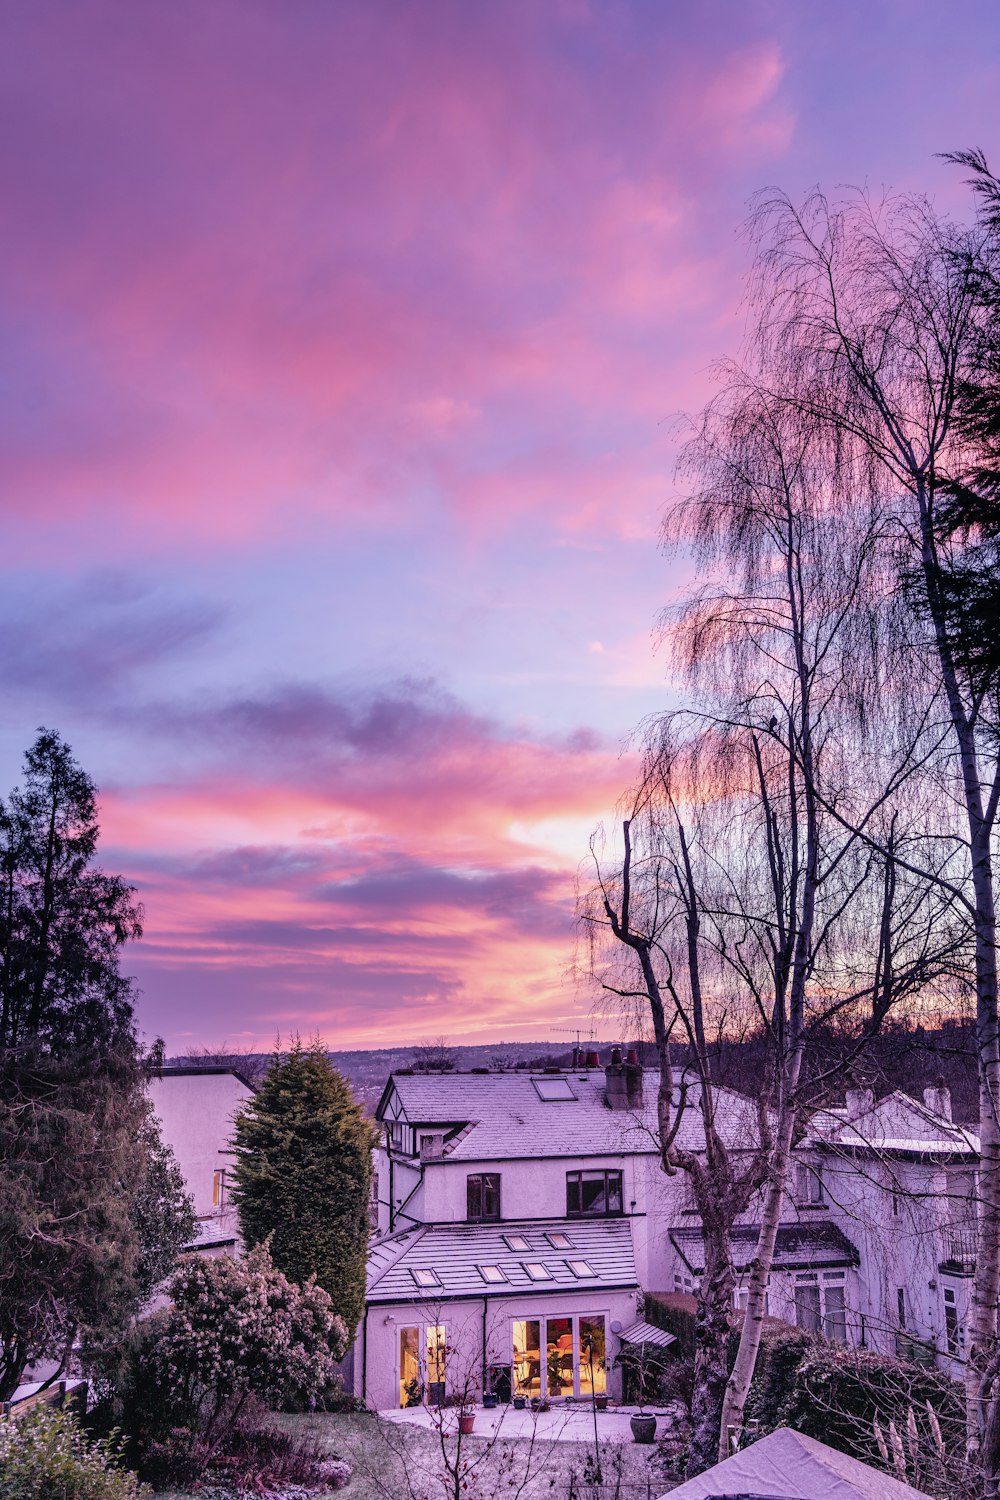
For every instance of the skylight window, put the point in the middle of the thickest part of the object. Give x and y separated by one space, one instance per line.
424 1276
516 1242
559 1241
536 1271
553 1089
581 1268
491 1273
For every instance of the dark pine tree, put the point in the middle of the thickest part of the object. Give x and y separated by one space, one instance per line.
303 1176
92 1207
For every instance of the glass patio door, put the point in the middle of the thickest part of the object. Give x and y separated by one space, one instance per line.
575 1356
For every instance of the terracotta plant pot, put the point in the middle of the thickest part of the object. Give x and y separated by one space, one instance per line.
466 1423
643 1427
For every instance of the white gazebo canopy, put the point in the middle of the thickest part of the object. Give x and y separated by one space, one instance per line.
787 1465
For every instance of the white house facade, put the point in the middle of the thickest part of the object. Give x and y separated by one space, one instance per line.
196 1107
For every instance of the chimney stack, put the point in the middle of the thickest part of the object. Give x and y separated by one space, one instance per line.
938 1099
616 1081
859 1102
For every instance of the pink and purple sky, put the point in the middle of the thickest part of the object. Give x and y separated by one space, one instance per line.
343 346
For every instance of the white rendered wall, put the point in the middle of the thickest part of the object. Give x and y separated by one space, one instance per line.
196 1113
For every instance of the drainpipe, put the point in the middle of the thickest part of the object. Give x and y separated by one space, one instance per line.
364 1356
485 1305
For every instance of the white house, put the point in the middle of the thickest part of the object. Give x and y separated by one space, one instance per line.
521 1216
196 1107
898 1177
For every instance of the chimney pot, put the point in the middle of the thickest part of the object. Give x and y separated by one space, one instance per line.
616 1054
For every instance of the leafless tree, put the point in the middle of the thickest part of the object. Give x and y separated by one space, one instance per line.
434 1056
869 321
741 898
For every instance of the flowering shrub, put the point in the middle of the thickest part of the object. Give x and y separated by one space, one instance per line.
236 1330
45 1456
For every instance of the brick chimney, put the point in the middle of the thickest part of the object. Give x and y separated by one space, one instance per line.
616 1081
859 1102
633 1079
938 1099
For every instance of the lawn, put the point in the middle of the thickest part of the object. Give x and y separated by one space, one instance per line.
396 1462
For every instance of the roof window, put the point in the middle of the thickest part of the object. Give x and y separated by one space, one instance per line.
558 1240
516 1242
550 1090
581 1268
425 1276
491 1273
535 1271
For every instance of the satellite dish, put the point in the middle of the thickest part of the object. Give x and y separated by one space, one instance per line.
616 1326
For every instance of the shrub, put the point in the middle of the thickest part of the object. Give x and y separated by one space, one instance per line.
45 1456
679 1321
237 1331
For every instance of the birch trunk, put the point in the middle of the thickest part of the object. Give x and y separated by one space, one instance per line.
711 1365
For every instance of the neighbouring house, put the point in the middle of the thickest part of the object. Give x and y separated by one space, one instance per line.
899 1176
196 1107
521 1216
787 1465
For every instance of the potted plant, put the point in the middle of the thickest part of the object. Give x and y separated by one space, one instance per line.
643 1425
490 1399
466 1420
601 1402
520 1403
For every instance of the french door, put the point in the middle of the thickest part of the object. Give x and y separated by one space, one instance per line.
560 1356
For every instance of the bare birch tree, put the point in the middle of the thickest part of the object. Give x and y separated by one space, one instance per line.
743 900
870 321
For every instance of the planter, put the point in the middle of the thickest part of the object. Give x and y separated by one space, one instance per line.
466 1422
519 1403
601 1402
643 1427
490 1399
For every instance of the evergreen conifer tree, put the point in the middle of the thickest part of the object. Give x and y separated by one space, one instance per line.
303 1175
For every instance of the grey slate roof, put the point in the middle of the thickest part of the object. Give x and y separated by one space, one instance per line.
894 1126
797 1246
498 1116
455 1251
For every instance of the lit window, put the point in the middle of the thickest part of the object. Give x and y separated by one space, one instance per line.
491 1273
424 1276
219 1188
535 1271
551 1090
581 1268
559 1241
516 1242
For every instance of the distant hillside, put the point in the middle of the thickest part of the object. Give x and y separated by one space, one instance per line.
904 1057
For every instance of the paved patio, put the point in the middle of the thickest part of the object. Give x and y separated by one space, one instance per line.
563 1424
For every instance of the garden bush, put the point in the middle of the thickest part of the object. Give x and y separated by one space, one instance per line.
45 1456
237 1332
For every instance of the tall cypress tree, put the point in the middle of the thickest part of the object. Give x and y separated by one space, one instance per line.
303 1175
